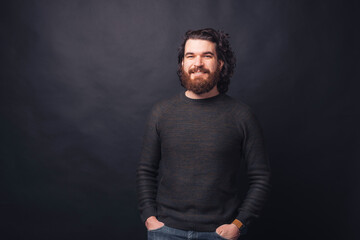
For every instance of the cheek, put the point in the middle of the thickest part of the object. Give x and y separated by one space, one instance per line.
215 66
212 67
186 66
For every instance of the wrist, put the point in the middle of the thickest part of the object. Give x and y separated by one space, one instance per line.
242 228
238 224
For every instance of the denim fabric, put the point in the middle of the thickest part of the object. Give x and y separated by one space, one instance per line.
168 233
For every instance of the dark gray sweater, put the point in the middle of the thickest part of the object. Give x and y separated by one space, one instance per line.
188 173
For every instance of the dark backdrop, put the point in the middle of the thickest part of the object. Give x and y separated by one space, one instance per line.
78 79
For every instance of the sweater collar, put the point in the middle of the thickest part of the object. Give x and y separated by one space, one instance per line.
202 100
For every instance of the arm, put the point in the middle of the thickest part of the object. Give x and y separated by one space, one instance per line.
258 169
147 170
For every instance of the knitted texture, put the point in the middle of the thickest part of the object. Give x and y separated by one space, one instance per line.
188 173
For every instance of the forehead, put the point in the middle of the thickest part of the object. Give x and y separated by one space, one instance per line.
199 46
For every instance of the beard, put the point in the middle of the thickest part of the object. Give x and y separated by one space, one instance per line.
200 85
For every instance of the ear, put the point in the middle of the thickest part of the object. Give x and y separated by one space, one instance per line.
221 64
182 63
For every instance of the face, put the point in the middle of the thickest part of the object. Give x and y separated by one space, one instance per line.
200 66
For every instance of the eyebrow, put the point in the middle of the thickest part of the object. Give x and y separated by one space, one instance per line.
204 53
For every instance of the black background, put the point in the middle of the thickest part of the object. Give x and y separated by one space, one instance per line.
78 79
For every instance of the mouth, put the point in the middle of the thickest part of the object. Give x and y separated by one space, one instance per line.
198 73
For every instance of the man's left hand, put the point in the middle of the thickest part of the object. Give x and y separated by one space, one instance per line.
228 231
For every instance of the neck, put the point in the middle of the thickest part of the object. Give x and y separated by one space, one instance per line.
213 92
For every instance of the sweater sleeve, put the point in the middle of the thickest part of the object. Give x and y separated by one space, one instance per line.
258 169
147 170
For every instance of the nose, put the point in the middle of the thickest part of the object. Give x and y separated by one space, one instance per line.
198 61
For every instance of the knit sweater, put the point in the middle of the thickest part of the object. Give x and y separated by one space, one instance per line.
188 173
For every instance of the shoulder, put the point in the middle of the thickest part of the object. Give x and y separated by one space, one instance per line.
238 107
242 112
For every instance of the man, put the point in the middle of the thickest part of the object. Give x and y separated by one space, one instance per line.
188 174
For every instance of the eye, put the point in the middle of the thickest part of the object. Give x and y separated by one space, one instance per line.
208 56
189 56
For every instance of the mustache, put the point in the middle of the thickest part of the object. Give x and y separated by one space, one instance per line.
201 69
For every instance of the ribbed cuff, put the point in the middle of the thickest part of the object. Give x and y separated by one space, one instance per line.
242 227
148 212
245 218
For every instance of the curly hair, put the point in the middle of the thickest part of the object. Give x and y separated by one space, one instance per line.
223 52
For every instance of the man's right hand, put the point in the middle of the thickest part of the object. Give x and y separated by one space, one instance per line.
152 223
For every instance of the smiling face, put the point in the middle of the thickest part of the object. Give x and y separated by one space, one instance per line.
200 66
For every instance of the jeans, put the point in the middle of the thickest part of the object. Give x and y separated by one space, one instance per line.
168 233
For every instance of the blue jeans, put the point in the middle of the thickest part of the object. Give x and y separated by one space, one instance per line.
168 233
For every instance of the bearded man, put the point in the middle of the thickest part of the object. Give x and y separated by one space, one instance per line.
188 176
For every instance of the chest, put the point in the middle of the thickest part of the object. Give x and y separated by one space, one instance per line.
200 131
